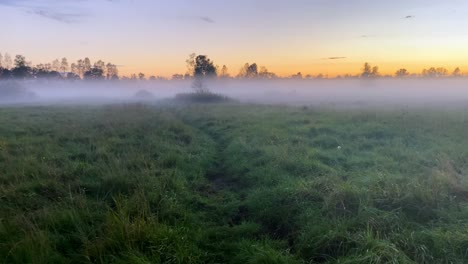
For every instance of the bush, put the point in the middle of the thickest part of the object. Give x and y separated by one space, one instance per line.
202 97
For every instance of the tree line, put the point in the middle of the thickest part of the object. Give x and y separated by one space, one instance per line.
83 69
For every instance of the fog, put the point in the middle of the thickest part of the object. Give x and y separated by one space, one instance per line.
339 92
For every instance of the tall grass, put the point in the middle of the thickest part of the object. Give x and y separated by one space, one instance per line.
212 183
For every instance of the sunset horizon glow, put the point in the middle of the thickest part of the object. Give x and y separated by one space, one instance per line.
312 37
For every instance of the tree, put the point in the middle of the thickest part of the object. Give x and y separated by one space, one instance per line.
1 61
297 76
177 77
366 70
224 72
191 63
204 69
100 65
21 70
456 72
112 72
252 71
401 73
64 65
435 72
375 71
86 64
94 74
20 61
56 65
7 62
369 72
141 76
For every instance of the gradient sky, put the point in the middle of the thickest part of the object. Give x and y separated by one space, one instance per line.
286 36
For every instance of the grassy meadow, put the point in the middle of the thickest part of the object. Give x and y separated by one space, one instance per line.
233 183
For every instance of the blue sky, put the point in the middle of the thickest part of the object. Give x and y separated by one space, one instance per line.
155 37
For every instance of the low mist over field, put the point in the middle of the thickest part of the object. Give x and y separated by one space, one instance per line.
340 91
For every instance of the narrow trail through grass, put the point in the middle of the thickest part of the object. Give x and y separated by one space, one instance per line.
232 184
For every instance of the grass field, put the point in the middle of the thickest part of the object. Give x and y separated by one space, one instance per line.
233 184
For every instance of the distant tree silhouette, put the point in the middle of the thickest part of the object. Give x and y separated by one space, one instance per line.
100 65
401 73
177 77
252 71
56 65
265 74
1 61
7 62
297 76
72 76
369 72
457 72
86 65
203 69
224 72
366 70
435 72
190 62
375 71
94 74
141 76
21 69
64 65
112 73
5 74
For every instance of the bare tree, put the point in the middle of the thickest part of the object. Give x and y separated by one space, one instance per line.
64 65
56 65
191 63
224 72
7 61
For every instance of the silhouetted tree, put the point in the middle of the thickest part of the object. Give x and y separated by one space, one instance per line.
141 76
375 71
94 74
177 77
224 72
190 62
7 62
64 65
366 70
100 65
297 76
456 72
86 65
21 69
203 69
369 72
401 73
56 65
1 61
252 71
112 72
434 72
72 76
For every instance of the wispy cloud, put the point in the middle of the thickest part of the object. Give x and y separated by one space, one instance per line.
409 17
67 18
335 58
64 11
207 19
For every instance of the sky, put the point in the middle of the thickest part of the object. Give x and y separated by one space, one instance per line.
286 36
